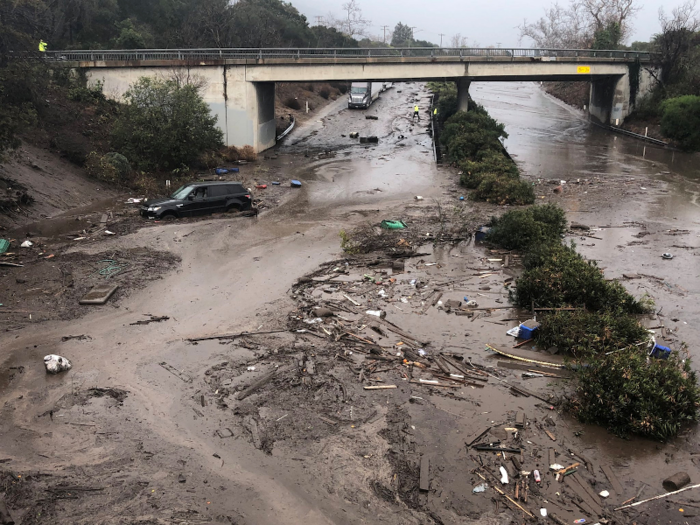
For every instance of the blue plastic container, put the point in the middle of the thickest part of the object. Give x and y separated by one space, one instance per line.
528 328
221 171
481 233
660 352
296 184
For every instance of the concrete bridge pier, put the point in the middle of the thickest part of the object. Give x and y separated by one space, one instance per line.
610 99
463 94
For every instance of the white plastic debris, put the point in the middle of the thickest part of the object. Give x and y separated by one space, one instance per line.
313 321
381 293
422 352
504 476
556 466
251 369
27 244
55 364
604 494
419 198
134 201
107 232
376 313
471 304
543 512
514 332
480 488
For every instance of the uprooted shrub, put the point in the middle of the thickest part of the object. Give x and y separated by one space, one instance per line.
467 134
503 189
486 162
556 276
521 229
629 393
584 334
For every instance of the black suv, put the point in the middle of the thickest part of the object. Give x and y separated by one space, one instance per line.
201 198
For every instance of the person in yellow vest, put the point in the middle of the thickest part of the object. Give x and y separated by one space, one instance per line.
415 112
42 46
435 112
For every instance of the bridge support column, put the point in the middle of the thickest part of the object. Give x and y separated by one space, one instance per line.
247 117
610 100
463 94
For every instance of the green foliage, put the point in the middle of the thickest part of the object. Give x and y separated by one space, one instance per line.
556 276
89 94
347 244
487 162
522 229
680 121
630 394
584 334
132 38
502 189
608 37
468 133
164 125
402 35
111 167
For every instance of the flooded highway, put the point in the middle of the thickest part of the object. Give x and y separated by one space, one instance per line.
240 274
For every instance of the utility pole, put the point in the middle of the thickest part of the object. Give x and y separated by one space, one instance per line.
441 35
385 28
413 28
318 20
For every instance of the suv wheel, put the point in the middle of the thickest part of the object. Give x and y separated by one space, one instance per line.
168 216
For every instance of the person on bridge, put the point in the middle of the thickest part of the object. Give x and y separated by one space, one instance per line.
42 46
415 112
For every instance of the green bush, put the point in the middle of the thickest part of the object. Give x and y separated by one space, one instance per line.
521 229
111 167
164 125
87 94
556 276
467 134
630 394
680 121
583 334
487 161
503 189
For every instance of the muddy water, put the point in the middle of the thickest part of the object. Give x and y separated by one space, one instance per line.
235 276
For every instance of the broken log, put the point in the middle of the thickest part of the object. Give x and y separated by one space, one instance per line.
256 385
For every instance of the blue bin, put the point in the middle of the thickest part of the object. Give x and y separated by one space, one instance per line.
528 328
481 233
221 171
660 352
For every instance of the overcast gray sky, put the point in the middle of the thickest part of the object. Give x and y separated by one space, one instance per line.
486 22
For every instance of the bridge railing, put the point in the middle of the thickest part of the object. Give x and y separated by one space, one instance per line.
141 55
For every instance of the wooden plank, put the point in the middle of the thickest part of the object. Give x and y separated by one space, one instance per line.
99 294
551 459
256 385
612 478
554 361
577 485
476 436
520 419
424 485
380 387
585 505
526 392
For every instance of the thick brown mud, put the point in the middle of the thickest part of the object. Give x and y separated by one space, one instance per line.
169 440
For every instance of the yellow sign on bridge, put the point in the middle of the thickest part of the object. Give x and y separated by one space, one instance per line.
583 70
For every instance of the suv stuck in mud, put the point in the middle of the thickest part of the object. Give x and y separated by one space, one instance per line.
200 199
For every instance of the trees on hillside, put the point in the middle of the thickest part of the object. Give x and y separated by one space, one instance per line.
678 44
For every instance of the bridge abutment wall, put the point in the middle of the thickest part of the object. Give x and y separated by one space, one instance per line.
245 111
612 99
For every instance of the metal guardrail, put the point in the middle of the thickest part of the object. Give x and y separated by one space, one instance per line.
139 55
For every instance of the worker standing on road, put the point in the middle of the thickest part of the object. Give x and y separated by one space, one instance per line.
435 112
42 46
415 112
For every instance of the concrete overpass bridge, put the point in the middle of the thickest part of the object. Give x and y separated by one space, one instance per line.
239 84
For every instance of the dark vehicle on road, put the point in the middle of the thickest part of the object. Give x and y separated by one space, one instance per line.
200 198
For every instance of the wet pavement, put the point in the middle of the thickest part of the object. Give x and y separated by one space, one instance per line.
235 274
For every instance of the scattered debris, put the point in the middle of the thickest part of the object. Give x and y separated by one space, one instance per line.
99 294
153 319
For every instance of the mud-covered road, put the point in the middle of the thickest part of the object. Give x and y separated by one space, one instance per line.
143 429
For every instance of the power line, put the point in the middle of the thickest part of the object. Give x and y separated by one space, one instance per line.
318 20
441 35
